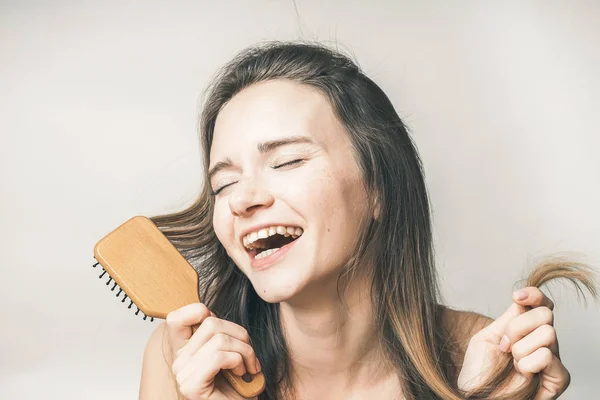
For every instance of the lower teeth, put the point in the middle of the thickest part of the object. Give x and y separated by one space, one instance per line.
265 253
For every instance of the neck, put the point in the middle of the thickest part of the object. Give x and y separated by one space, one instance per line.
334 345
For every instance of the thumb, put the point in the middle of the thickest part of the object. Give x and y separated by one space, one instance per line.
181 323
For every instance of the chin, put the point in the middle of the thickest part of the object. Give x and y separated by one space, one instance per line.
276 288
274 298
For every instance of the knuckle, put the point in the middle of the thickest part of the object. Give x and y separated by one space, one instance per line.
549 332
527 365
211 323
523 365
203 311
245 335
172 319
547 314
546 355
518 351
222 339
239 358
249 351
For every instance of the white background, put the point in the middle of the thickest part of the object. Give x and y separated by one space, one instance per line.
98 107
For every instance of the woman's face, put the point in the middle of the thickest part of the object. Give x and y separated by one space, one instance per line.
282 164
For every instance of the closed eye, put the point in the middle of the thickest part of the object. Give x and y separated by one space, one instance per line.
219 190
288 163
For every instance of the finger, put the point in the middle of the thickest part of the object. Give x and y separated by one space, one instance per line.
180 322
542 336
536 361
524 324
554 374
211 326
180 363
222 342
186 361
184 368
532 297
498 327
555 380
197 378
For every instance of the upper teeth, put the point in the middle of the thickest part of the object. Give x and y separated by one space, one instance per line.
270 231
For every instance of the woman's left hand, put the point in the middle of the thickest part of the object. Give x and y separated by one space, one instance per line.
526 330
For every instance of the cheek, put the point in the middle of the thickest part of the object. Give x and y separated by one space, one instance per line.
315 196
343 206
330 204
222 224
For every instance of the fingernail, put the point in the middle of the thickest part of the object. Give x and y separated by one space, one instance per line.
520 294
257 365
504 343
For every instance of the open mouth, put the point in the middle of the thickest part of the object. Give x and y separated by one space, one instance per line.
267 241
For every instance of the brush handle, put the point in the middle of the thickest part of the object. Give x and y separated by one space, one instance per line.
249 389
157 278
246 389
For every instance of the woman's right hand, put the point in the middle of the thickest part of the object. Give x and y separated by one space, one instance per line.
199 356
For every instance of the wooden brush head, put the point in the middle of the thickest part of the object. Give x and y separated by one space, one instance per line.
149 269
157 278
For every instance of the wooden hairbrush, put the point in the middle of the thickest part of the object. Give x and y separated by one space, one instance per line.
142 263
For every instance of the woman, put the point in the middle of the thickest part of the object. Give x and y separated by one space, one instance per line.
312 239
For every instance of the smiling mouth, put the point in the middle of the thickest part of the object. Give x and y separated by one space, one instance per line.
258 248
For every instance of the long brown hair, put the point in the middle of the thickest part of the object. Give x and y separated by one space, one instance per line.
398 244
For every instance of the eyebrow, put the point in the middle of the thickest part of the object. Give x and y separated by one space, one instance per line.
263 147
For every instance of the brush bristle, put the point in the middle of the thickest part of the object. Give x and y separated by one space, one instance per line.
125 297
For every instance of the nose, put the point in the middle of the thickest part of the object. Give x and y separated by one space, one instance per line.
248 198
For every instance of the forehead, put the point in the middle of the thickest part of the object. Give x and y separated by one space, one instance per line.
273 110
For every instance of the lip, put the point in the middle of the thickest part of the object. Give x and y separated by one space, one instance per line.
265 262
256 228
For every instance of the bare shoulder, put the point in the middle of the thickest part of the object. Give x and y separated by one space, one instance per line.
156 380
